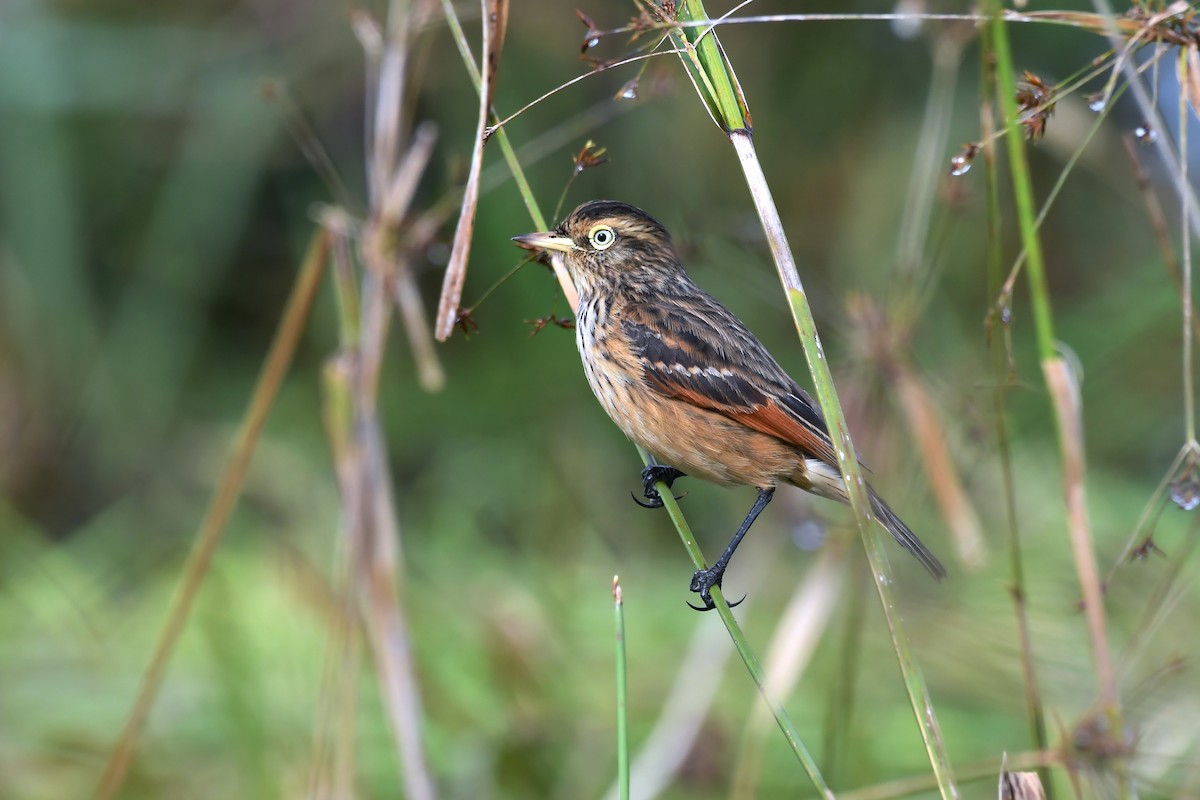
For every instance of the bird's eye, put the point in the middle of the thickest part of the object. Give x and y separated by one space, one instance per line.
602 237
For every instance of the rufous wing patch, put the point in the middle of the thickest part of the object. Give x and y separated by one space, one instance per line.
775 421
765 418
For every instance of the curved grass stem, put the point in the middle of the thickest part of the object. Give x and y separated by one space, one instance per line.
914 679
740 643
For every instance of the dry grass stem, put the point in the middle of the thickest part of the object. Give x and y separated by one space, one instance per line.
331 771
926 425
374 547
1021 786
495 21
371 585
681 718
1064 393
382 254
978 771
884 343
395 163
224 499
1190 76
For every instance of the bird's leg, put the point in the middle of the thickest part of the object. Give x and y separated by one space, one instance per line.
652 475
705 579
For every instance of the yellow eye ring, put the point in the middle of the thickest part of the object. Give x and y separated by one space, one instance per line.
602 236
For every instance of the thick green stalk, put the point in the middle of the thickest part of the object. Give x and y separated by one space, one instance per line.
1043 318
719 72
709 68
873 542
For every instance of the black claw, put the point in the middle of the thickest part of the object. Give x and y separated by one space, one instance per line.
655 502
652 475
703 580
713 605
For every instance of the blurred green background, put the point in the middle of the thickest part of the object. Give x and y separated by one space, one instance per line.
153 213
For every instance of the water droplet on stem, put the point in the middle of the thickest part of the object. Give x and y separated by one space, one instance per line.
961 163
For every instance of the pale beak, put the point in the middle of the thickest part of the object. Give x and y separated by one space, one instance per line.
547 240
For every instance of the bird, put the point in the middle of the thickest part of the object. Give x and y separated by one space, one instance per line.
684 378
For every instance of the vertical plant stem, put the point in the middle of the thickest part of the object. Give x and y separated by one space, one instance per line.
664 751
220 508
375 538
1060 382
332 775
622 694
998 345
1189 391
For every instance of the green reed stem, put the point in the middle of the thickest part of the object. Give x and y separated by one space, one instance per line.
1043 318
753 666
718 71
999 345
709 68
622 694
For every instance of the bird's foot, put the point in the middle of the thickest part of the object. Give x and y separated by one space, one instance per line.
702 583
652 475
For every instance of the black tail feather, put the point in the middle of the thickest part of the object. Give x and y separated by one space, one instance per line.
907 539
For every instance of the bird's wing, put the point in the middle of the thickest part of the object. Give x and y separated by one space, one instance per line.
695 350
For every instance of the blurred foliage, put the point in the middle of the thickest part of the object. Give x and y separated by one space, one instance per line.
153 210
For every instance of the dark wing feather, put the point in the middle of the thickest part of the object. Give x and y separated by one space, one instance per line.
697 351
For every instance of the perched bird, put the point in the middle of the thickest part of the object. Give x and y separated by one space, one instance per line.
684 378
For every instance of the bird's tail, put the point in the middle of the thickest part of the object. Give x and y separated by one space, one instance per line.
907 539
825 480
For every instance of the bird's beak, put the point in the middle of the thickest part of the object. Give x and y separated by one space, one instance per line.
547 240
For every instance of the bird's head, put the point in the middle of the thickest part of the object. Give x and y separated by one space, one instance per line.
605 242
